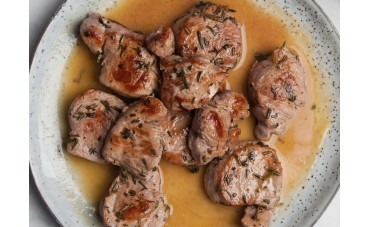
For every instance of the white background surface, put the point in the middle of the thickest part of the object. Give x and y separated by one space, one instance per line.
40 13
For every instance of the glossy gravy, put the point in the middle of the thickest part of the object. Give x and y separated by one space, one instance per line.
296 149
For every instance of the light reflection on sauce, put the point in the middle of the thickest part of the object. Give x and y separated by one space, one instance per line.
296 149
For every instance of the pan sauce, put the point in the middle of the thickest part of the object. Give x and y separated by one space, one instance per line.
296 149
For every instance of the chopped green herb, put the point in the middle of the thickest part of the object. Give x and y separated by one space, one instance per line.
189 67
193 168
142 65
245 199
282 46
145 163
123 176
106 105
91 107
292 98
183 78
199 74
73 140
200 40
138 51
274 92
218 10
218 61
260 57
156 205
227 178
143 185
93 151
273 171
154 152
135 121
169 133
275 115
252 155
232 19
214 33
240 161
257 176
132 192
187 30
214 18
226 46
297 58
115 187
268 114
126 133
121 213
282 60
81 115
275 125
230 195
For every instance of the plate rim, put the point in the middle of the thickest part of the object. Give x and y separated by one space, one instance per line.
48 27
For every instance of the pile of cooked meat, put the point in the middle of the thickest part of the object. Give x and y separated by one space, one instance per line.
181 110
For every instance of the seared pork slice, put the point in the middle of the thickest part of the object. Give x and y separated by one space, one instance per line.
189 83
210 31
137 139
256 216
91 115
127 67
161 42
252 175
214 131
135 202
176 146
276 87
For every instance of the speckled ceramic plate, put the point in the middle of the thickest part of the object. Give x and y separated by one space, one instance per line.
47 160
